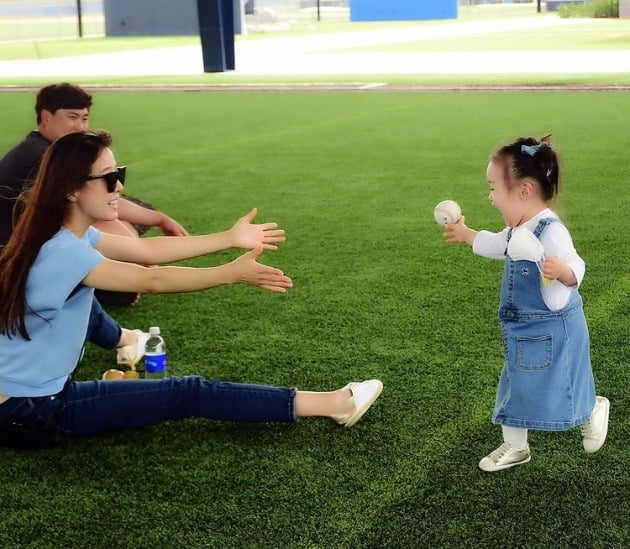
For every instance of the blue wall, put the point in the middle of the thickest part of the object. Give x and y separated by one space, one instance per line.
402 10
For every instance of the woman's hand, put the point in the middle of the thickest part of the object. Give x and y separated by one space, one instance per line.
246 235
248 271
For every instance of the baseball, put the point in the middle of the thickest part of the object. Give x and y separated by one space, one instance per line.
447 211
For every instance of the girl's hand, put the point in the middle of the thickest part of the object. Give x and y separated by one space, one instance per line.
248 236
555 269
248 271
459 232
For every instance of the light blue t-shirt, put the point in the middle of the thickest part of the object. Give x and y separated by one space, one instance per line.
58 310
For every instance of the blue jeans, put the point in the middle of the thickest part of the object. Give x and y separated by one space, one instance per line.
92 407
102 330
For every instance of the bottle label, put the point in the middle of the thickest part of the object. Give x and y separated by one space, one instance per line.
155 363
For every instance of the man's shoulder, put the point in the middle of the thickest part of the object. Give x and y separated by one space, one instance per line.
22 161
34 144
36 139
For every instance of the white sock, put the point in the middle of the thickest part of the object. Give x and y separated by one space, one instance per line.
516 437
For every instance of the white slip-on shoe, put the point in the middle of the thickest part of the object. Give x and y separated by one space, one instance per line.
594 431
504 457
132 354
364 393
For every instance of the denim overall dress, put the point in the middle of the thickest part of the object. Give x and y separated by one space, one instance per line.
547 380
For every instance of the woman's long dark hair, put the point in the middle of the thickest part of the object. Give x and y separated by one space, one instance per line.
63 170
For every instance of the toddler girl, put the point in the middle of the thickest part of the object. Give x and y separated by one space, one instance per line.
547 380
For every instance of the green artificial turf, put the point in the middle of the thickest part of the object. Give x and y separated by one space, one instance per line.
352 178
225 80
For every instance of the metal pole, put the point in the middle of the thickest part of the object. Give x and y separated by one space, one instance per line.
318 14
79 19
538 6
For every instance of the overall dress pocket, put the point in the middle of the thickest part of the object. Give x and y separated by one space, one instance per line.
534 353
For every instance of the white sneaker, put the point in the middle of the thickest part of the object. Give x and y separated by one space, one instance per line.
504 457
131 354
594 431
364 394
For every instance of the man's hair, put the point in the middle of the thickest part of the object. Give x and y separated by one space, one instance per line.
61 96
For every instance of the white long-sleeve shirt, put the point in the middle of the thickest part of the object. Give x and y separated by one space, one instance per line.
556 241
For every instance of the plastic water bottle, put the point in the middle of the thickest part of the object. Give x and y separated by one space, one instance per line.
155 361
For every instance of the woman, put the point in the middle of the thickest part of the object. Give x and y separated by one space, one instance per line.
48 272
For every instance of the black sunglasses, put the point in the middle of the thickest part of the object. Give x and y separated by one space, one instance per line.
111 178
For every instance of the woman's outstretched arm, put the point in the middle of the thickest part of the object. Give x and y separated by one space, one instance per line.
155 251
121 276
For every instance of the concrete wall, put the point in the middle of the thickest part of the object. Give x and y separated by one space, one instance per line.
151 17
624 8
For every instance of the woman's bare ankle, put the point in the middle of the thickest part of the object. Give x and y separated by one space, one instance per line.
344 404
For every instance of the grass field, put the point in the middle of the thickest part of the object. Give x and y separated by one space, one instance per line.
613 34
353 179
583 35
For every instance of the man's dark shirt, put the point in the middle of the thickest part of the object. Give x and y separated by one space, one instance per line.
17 169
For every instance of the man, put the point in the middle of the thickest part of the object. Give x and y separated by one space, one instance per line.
62 109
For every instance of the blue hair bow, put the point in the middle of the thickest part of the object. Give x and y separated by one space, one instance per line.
530 150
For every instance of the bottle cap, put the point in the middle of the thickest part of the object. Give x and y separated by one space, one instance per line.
154 330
